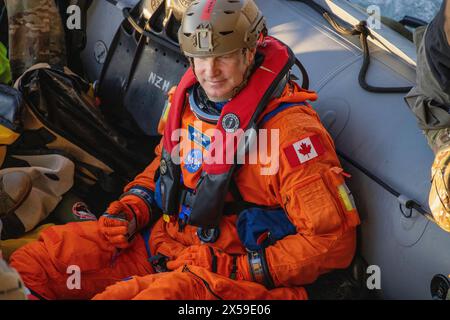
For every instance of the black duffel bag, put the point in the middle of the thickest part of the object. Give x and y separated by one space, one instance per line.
60 114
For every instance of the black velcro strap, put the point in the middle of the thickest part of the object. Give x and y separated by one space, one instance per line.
267 277
259 269
142 193
233 273
214 260
187 198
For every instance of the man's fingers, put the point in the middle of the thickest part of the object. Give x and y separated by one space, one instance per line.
114 231
185 256
110 222
118 241
175 264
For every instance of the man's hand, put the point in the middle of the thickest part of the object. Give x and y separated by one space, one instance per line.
118 224
195 255
206 257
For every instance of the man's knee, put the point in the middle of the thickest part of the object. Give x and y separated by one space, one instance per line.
30 262
161 286
58 251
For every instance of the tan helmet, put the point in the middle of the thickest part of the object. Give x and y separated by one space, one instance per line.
218 27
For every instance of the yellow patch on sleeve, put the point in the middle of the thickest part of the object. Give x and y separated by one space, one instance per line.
346 197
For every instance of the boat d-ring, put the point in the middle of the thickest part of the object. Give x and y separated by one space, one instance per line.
208 235
407 216
440 287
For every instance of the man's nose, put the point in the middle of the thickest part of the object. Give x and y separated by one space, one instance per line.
211 69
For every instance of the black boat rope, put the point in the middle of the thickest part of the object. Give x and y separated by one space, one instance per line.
403 200
363 31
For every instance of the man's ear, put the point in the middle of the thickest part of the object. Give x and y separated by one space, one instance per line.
250 55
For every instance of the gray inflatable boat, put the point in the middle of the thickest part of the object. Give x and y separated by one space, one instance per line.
376 134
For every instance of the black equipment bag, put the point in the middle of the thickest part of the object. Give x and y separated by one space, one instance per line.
60 114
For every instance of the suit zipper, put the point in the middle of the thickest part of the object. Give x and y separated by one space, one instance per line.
186 269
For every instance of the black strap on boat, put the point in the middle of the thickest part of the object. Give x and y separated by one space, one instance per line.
363 32
403 200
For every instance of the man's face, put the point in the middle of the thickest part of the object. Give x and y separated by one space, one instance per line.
218 76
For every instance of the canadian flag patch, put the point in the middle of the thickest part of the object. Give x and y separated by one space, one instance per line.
304 150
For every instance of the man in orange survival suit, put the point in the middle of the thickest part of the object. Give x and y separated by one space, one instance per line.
228 231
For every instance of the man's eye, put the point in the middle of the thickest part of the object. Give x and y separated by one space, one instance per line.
227 57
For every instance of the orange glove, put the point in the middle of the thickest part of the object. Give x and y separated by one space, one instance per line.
206 257
118 224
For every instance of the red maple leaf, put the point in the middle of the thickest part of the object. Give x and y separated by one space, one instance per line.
305 149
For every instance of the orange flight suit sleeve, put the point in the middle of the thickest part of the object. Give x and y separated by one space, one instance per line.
308 193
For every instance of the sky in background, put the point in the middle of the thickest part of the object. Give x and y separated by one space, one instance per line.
397 9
